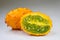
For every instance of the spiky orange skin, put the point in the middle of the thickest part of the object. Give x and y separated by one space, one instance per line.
13 17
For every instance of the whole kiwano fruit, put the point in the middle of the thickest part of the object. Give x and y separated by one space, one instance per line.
13 17
36 23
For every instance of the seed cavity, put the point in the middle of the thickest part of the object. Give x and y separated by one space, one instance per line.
35 24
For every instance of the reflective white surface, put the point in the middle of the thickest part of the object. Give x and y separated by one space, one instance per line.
49 7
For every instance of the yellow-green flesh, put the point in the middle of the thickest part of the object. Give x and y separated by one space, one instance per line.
35 24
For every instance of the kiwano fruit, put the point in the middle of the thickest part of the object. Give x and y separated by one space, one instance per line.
13 17
36 23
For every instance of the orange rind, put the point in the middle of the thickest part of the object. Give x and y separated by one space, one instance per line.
13 17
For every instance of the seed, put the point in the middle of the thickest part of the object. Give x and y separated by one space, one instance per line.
33 28
38 29
28 28
42 29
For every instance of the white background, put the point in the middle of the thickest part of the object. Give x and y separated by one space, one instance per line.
49 7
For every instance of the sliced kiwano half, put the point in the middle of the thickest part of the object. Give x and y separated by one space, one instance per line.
13 17
36 23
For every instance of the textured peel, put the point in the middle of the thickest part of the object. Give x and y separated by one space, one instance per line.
13 17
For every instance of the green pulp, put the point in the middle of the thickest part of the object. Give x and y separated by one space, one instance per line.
34 28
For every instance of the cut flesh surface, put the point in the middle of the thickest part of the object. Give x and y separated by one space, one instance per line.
35 24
